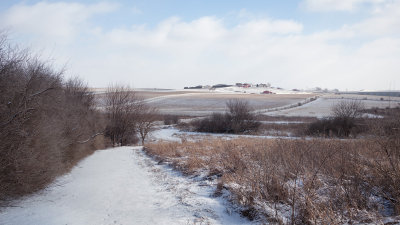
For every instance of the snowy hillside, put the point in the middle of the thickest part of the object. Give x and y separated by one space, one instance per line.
257 90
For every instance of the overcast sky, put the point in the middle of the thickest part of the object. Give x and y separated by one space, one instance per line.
345 44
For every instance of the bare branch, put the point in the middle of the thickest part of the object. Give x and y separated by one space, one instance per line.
90 138
16 115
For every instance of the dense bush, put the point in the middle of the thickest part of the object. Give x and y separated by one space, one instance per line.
216 123
128 116
238 119
47 124
318 181
346 121
171 119
339 127
121 107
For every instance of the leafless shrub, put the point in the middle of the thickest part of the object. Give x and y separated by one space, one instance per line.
345 121
238 119
351 109
216 123
122 106
128 115
145 121
386 161
46 124
171 119
316 181
241 117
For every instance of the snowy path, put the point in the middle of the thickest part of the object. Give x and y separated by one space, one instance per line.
121 186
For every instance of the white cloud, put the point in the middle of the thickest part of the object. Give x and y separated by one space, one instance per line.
176 53
264 26
384 21
55 20
337 5
204 51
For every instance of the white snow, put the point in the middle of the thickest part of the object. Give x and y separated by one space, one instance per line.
370 115
121 186
257 90
281 122
322 107
165 134
174 134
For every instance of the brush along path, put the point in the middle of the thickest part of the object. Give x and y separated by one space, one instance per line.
121 186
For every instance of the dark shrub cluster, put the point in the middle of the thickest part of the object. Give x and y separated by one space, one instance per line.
128 116
238 119
171 119
346 121
338 127
121 108
47 124
320 181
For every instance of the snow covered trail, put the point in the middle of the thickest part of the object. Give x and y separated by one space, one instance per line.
121 186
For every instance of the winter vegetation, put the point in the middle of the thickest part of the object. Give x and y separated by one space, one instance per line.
340 169
199 112
238 119
219 156
345 121
318 181
49 123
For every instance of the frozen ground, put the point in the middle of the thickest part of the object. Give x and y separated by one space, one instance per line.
173 134
122 186
322 107
258 90
201 104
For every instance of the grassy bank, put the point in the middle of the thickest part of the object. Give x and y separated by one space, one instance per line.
297 181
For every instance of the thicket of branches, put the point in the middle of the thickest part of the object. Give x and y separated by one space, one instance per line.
129 117
121 106
317 181
47 123
345 121
238 119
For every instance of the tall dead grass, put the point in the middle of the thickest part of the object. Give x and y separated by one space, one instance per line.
297 181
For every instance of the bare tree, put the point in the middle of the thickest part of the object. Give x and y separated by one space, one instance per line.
122 107
145 121
241 116
345 114
351 109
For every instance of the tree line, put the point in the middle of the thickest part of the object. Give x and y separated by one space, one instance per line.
48 123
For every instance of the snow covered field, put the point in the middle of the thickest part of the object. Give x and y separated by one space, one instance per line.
323 105
173 134
122 186
201 104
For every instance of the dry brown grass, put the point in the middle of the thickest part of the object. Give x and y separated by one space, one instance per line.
297 181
